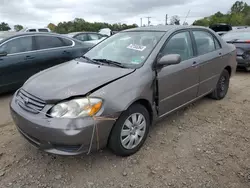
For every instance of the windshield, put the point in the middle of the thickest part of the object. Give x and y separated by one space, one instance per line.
230 36
128 48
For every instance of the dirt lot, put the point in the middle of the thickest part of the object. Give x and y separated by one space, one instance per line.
204 145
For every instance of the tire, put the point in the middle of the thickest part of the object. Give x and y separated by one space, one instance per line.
222 86
129 145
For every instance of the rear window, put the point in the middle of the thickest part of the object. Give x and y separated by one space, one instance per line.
66 42
234 36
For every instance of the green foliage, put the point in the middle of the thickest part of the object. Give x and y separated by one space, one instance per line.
18 27
4 26
239 14
79 24
51 26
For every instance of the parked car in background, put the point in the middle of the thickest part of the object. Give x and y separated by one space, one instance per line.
240 27
35 30
221 28
120 87
105 31
90 37
241 39
24 54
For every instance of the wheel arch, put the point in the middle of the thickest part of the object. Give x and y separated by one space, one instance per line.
229 69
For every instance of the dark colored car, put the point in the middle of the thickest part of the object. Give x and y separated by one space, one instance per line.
120 87
241 39
24 54
221 29
87 36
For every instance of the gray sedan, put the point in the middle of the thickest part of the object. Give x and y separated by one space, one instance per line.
112 95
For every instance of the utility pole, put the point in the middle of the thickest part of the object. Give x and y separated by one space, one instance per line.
166 19
148 20
141 22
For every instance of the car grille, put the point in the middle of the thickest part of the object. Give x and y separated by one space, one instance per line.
29 103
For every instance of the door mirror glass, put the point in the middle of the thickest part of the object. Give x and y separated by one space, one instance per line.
3 54
170 59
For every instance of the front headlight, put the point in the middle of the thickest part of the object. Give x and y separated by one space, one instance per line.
76 108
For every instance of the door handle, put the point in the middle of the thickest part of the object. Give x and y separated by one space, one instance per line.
29 57
194 64
66 52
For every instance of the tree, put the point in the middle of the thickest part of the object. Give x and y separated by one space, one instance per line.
51 26
4 26
79 24
175 20
238 7
202 22
239 14
18 27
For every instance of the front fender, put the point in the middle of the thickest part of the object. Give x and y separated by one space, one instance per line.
120 94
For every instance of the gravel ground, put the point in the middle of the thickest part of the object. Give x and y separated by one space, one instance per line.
203 145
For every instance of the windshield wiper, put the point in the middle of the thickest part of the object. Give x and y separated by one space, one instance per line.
110 62
90 60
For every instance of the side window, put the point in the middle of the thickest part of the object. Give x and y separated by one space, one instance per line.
43 30
217 44
32 30
82 37
180 44
204 42
66 42
22 44
93 36
45 42
100 36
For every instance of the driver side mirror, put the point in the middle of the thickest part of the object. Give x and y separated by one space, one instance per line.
3 54
171 59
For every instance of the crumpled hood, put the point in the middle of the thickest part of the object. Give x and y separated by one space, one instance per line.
71 79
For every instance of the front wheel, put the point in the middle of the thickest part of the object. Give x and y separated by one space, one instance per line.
222 86
130 131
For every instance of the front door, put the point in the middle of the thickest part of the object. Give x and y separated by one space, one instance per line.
17 64
178 84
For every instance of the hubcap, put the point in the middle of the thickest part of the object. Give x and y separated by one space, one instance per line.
223 83
133 131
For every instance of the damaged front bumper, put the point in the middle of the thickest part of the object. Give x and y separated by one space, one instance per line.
61 135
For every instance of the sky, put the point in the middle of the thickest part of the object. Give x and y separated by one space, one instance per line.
39 13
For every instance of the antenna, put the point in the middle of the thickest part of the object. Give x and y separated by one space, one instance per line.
186 17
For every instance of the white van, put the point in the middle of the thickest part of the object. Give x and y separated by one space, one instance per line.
35 30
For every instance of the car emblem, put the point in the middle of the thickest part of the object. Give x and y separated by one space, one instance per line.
26 100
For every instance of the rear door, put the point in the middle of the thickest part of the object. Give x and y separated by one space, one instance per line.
209 55
50 51
17 66
178 84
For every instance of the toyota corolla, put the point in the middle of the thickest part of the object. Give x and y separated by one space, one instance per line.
111 95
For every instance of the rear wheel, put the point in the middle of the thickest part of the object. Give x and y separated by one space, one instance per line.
222 86
130 131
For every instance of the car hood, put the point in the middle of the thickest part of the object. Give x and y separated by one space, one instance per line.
73 78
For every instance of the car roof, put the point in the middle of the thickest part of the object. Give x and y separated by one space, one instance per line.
11 34
164 28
